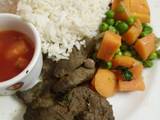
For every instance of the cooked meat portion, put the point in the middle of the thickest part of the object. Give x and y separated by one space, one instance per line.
64 67
48 68
89 63
75 78
53 99
28 96
39 92
79 104
38 96
44 100
77 57
50 113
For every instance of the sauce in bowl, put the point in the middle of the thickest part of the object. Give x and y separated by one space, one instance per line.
16 52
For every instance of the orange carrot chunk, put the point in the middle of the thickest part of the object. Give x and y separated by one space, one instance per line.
124 61
133 33
133 85
105 82
110 44
136 84
122 11
135 67
126 8
137 70
145 46
115 4
140 9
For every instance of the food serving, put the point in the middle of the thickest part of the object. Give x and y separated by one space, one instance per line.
92 50
128 45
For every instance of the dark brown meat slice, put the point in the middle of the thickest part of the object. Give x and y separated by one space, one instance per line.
56 112
39 92
96 110
89 63
38 96
48 68
77 57
80 104
28 96
75 78
88 105
44 100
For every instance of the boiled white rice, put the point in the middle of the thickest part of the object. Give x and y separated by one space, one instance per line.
63 24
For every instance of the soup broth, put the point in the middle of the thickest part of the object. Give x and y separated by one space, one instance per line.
16 52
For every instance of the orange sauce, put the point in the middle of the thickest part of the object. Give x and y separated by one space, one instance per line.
16 52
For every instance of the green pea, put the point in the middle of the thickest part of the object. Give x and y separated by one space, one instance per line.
117 22
122 27
110 21
128 53
148 63
124 47
113 29
110 14
118 53
143 34
131 21
158 53
146 25
109 65
103 27
146 30
128 76
153 56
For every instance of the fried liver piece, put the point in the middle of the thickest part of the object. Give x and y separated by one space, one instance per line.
29 96
42 87
79 104
75 78
77 57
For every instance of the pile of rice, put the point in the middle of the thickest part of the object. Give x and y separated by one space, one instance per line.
63 24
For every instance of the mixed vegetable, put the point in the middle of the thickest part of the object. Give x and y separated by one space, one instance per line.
128 45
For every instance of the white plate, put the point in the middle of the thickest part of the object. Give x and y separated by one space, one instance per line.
128 106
